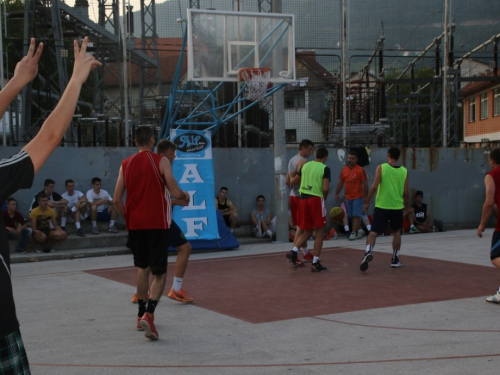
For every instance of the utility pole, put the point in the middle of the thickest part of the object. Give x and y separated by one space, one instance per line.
4 125
280 162
445 72
344 72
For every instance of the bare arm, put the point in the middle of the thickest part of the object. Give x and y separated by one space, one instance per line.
406 194
339 188
253 219
119 192
294 177
489 202
373 189
54 223
179 202
55 126
33 225
326 188
173 188
427 215
365 189
26 70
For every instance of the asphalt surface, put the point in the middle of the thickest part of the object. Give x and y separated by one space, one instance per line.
75 321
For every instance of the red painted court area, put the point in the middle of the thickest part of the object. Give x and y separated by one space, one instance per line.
262 288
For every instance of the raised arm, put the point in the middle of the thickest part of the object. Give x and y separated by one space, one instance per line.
55 126
26 70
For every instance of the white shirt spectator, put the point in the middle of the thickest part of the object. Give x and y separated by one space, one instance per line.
93 197
72 199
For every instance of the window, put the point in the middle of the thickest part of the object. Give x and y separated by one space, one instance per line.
291 135
472 109
295 99
496 102
484 106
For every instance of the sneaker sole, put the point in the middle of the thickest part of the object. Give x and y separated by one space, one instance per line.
178 300
292 265
364 264
396 265
492 301
147 330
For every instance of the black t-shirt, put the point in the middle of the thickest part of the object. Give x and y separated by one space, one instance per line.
15 173
420 212
55 197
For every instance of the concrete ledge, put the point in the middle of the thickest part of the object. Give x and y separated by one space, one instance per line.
103 239
69 254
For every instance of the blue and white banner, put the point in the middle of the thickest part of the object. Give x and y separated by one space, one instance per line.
194 172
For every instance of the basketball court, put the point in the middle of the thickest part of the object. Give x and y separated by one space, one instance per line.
254 315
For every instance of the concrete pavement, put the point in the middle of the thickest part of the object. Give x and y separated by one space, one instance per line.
75 322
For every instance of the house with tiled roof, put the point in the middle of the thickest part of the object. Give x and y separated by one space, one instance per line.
481 103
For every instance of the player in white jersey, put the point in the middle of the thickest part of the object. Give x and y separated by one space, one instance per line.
294 165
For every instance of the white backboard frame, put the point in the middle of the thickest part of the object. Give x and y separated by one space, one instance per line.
281 52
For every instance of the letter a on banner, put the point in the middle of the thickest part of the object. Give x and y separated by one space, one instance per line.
194 172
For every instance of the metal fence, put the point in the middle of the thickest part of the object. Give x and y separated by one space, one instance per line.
392 90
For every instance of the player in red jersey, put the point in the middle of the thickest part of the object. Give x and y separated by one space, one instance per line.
492 184
148 180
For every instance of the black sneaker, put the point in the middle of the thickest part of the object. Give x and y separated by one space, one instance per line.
46 249
317 267
21 251
396 263
366 259
292 259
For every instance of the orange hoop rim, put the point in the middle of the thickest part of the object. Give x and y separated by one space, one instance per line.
251 72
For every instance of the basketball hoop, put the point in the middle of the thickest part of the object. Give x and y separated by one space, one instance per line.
257 80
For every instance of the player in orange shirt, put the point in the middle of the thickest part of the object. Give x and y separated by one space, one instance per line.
353 179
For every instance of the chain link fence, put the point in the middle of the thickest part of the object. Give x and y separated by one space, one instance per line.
391 93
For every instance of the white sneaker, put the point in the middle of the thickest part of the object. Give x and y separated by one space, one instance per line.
360 235
352 237
495 298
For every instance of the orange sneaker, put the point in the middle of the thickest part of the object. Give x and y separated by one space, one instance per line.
147 323
180 296
139 328
135 300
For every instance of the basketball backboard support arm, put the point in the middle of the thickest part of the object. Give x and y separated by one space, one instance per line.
206 103
217 45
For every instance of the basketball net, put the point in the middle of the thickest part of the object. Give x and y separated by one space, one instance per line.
257 80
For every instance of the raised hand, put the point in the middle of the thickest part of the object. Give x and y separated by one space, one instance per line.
84 63
27 69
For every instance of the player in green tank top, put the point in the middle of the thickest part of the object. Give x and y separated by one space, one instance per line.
391 185
314 178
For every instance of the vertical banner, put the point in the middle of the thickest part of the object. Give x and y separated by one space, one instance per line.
193 170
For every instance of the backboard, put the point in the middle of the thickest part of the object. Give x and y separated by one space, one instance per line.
222 42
